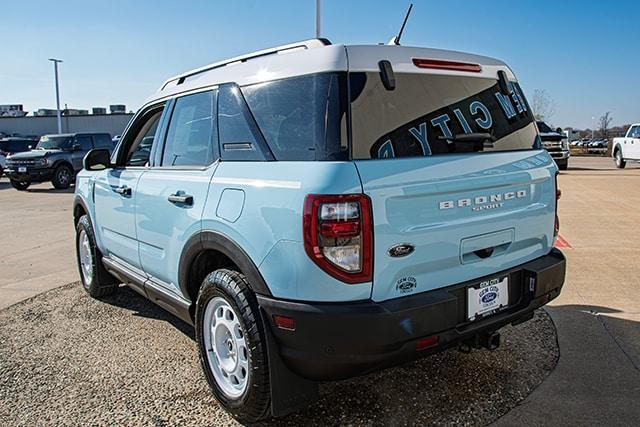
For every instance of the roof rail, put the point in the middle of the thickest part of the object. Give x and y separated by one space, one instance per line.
305 44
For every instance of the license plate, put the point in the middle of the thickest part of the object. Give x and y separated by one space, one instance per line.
22 169
487 297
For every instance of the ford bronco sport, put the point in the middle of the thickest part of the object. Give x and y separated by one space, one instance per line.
56 158
322 211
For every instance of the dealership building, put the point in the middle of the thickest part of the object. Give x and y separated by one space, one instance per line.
44 121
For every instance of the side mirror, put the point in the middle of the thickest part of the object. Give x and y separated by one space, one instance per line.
97 159
77 147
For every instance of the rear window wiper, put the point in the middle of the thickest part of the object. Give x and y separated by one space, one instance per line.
469 137
469 142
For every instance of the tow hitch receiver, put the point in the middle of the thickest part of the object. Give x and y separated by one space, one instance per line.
490 341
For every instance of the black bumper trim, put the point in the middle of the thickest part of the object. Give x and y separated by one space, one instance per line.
340 340
32 175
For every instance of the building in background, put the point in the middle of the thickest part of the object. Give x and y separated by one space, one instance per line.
118 108
12 110
46 112
74 112
113 124
98 110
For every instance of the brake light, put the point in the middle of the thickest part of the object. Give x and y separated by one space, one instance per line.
446 65
338 235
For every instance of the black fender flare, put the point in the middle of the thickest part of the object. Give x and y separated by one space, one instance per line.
616 148
78 201
65 162
213 240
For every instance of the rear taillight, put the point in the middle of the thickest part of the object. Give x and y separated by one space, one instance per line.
556 227
438 64
338 235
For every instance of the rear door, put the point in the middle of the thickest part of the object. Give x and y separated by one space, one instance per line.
173 192
469 206
82 144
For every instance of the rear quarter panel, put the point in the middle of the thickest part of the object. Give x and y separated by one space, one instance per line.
269 225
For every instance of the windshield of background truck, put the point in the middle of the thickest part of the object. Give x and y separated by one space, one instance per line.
54 143
424 113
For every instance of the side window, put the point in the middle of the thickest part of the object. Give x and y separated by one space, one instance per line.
635 132
240 138
190 135
301 117
138 149
84 141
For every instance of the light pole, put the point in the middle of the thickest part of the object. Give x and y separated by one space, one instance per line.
55 70
317 19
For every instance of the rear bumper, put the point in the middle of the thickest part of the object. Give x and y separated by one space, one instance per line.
32 174
341 340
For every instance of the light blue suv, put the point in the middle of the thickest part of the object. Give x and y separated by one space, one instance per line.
321 211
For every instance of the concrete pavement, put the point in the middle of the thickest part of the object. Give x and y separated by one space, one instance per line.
597 316
36 241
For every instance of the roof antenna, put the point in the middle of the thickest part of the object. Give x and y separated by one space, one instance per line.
396 40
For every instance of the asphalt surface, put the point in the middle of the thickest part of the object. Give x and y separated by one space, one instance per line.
596 381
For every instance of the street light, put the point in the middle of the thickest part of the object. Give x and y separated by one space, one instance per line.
317 19
55 70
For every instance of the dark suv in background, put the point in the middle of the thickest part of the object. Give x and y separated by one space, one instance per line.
56 158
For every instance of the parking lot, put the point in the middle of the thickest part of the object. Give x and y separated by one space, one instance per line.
597 319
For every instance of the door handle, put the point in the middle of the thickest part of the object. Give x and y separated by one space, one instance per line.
123 190
183 199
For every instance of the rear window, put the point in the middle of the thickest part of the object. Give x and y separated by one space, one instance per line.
429 114
103 140
302 118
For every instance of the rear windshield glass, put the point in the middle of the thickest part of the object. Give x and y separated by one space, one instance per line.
436 114
302 118
544 128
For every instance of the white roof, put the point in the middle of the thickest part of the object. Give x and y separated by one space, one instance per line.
317 56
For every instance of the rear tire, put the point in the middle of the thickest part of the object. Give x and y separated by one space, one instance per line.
620 162
20 185
95 279
232 345
62 177
563 165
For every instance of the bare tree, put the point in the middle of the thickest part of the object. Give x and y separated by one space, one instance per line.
543 106
604 123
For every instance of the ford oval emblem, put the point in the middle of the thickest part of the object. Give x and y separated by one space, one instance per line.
489 296
400 250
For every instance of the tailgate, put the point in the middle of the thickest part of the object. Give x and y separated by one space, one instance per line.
465 215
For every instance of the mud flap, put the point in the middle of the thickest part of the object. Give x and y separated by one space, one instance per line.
289 391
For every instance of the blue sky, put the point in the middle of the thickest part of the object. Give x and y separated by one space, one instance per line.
583 53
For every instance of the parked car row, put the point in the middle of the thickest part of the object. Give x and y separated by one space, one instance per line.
55 158
587 143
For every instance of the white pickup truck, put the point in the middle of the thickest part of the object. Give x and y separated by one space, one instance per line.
627 148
